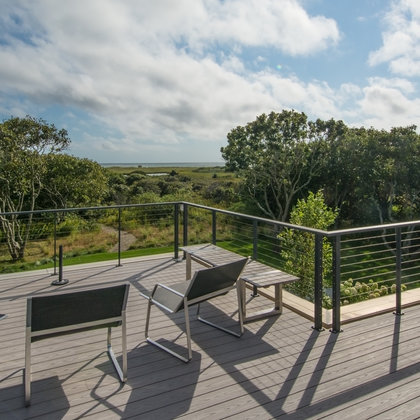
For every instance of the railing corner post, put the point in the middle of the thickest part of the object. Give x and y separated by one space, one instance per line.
255 240
185 227
398 264
176 231
336 309
213 225
119 237
318 286
55 244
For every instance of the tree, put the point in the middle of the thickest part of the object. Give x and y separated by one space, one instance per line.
23 144
373 175
72 182
396 172
298 248
277 157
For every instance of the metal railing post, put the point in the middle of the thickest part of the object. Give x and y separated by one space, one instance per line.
176 231
318 286
336 319
398 261
55 244
119 237
213 227
255 240
185 227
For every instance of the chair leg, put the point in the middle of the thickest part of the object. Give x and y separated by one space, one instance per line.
161 346
27 373
241 305
146 328
219 327
187 329
124 346
122 374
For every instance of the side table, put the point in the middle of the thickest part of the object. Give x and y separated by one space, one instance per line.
274 278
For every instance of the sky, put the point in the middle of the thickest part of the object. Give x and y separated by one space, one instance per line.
166 80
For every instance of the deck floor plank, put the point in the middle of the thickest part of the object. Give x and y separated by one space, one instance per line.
280 367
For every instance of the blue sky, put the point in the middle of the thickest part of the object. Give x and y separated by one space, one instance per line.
165 81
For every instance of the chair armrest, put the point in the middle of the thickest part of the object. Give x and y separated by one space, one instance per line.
166 288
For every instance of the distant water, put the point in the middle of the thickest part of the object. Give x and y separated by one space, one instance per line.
165 164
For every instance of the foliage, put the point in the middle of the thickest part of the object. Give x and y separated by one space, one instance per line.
277 156
376 175
221 193
358 291
298 248
130 186
372 176
24 144
72 182
35 175
74 224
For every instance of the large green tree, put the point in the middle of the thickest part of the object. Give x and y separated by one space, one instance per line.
395 166
277 156
23 144
72 182
35 175
372 175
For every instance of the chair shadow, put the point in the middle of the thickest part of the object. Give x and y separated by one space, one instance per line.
48 394
234 351
155 381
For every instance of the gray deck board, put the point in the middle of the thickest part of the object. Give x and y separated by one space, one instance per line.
280 368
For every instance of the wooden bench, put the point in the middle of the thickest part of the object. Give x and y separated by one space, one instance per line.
256 275
264 279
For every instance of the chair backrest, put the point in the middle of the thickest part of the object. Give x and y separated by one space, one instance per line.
214 281
60 313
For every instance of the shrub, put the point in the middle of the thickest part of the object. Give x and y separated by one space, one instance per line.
298 248
352 291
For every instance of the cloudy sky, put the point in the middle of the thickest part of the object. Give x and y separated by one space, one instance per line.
166 80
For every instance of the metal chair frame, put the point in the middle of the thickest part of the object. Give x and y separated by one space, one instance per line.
184 302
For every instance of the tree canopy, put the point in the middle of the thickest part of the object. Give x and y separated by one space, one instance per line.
277 156
23 144
372 176
34 174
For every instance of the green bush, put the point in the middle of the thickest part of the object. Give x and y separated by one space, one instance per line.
298 248
358 291
74 224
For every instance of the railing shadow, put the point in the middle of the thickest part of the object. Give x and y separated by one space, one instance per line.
159 267
251 347
395 344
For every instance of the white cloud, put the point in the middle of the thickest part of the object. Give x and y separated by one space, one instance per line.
151 69
385 104
159 75
283 25
401 39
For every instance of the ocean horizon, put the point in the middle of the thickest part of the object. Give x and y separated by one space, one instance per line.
164 164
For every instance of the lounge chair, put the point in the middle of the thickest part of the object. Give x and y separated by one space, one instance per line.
204 285
71 312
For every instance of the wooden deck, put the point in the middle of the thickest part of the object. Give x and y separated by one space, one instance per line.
280 368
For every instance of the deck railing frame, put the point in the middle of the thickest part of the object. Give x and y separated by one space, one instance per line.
181 212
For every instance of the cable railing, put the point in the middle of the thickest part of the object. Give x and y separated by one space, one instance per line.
337 268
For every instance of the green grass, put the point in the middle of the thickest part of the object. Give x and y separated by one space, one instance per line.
84 259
